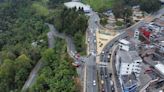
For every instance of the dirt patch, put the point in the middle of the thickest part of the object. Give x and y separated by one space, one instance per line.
78 84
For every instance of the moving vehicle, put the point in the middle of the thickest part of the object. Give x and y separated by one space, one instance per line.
102 52
103 90
88 39
111 83
108 57
76 64
102 82
94 41
94 82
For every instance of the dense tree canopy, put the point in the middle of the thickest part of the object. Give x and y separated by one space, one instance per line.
118 9
56 3
150 5
21 25
121 10
57 72
73 23
131 2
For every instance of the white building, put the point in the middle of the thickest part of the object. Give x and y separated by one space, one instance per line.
137 13
136 34
124 44
159 45
86 8
162 1
160 68
154 27
128 62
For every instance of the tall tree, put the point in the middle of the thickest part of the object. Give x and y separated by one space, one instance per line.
118 9
150 5
7 72
127 13
121 10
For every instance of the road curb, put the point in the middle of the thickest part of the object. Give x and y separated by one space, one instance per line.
85 78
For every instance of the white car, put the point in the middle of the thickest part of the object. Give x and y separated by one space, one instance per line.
108 56
94 54
88 39
94 41
111 83
94 82
91 30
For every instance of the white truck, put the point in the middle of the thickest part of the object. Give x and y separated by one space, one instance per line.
111 83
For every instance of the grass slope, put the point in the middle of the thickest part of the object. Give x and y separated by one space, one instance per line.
99 5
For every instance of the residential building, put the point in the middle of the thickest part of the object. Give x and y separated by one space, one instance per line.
160 68
124 45
86 8
136 34
135 43
161 47
137 13
128 67
162 1
129 83
128 62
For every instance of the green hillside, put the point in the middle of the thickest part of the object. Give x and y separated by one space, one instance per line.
99 5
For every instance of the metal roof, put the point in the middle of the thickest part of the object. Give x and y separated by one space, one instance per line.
129 80
128 56
160 67
77 5
124 41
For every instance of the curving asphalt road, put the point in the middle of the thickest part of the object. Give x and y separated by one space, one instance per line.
54 33
70 49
